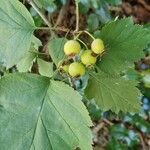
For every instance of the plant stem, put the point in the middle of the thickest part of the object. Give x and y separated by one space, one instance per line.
38 53
89 34
36 8
83 43
55 29
23 1
81 32
77 16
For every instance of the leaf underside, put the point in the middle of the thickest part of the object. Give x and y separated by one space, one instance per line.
16 28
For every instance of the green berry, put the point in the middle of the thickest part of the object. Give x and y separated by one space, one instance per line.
65 68
87 58
72 48
76 69
97 46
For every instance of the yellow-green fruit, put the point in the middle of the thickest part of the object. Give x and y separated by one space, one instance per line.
65 68
97 46
76 69
87 58
72 48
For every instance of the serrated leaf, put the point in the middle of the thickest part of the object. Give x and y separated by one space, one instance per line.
16 28
45 68
56 49
124 43
38 113
113 93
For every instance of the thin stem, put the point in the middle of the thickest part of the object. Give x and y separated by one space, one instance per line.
77 16
81 32
78 35
43 28
61 15
24 1
83 43
89 34
36 8
38 53
55 29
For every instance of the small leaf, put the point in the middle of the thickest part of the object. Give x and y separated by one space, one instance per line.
36 43
26 63
56 49
113 93
16 28
39 113
45 68
93 22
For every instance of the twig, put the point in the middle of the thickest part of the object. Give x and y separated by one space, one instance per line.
55 29
142 141
144 4
61 15
77 16
83 43
36 8
107 122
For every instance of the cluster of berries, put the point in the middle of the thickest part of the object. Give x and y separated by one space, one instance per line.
88 58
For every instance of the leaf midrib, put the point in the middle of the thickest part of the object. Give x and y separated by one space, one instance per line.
39 115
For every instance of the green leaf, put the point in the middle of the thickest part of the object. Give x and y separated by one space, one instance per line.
45 68
115 144
124 43
49 5
113 93
26 63
102 10
38 113
36 43
93 22
56 49
16 28
114 2
139 122
127 136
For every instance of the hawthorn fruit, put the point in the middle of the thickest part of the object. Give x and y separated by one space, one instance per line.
87 58
72 48
76 70
97 46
